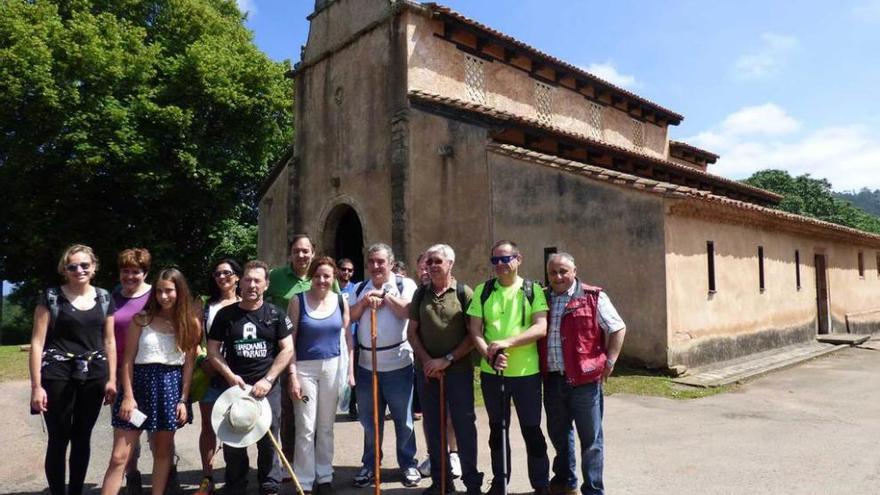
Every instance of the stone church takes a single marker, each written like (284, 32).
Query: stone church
(416, 124)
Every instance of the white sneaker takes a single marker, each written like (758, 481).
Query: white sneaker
(425, 467)
(411, 477)
(454, 465)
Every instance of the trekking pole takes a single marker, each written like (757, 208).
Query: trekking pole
(286, 463)
(377, 448)
(443, 433)
(504, 413)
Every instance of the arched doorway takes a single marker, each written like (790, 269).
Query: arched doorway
(344, 235)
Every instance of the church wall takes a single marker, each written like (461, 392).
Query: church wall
(345, 105)
(338, 22)
(438, 66)
(272, 222)
(615, 234)
(739, 318)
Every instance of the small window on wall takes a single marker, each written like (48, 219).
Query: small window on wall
(475, 78)
(761, 285)
(861, 264)
(547, 252)
(638, 133)
(544, 103)
(710, 257)
(797, 268)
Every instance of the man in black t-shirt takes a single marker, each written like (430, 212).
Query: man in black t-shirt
(257, 347)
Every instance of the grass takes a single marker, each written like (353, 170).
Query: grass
(13, 363)
(637, 381)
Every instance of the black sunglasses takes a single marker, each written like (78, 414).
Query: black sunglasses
(85, 265)
(497, 260)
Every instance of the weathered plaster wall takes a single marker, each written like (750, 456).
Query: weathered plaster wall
(338, 22)
(345, 106)
(615, 234)
(437, 66)
(739, 319)
(272, 222)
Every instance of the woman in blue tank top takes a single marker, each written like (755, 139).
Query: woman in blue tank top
(319, 317)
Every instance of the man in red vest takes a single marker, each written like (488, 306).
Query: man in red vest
(584, 338)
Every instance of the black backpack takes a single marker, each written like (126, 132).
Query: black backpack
(528, 288)
(459, 294)
(52, 294)
(363, 285)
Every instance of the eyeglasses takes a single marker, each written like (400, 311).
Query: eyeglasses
(223, 273)
(347, 270)
(433, 261)
(497, 260)
(85, 265)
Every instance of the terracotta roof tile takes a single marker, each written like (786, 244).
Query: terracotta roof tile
(503, 116)
(443, 10)
(693, 149)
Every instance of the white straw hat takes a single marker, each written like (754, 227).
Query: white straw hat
(239, 419)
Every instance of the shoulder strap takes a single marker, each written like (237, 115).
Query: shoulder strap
(341, 302)
(360, 288)
(302, 304)
(488, 287)
(418, 296)
(459, 293)
(528, 288)
(52, 302)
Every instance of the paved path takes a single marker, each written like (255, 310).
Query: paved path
(811, 429)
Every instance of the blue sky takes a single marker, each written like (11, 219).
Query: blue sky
(764, 84)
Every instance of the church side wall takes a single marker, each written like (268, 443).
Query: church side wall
(272, 222)
(438, 66)
(338, 22)
(616, 236)
(739, 319)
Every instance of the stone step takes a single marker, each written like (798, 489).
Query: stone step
(757, 365)
(843, 338)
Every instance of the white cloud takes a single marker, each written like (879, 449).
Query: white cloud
(766, 61)
(848, 156)
(608, 72)
(247, 7)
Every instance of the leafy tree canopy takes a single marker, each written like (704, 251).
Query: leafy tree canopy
(811, 197)
(865, 199)
(133, 123)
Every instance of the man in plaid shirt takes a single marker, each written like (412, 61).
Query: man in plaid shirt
(584, 337)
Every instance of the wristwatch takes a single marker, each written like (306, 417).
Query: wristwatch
(270, 379)
(609, 363)
(384, 293)
(449, 357)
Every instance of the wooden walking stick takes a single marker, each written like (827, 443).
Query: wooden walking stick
(443, 433)
(377, 448)
(504, 417)
(286, 463)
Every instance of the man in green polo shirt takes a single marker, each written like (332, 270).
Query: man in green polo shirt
(505, 324)
(438, 334)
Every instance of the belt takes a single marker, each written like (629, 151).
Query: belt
(382, 348)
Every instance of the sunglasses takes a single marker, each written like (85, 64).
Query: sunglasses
(433, 261)
(223, 273)
(347, 270)
(73, 267)
(497, 260)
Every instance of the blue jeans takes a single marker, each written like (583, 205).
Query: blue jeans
(583, 405)
(526, 394)
(395, 391)
(460, 409)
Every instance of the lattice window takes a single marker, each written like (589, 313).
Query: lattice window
(638, 133)
(544, 102)
(595, 120)
(475, 79)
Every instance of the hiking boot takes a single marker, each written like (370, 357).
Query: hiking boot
(134, 484)
(434, 489)
(364, 478)
(562, 489)
(411, 477)
(324, 489)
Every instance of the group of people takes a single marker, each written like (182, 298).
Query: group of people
(293, 336)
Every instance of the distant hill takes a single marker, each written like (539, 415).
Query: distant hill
(865, 199)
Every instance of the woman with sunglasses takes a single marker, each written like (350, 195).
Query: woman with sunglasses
(318, 316)
(72, 354)
(222, 291)
(160, 352)
(129, 299)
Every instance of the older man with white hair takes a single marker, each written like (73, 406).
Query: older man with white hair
(389, 295)
(438, 333)
(584, 338)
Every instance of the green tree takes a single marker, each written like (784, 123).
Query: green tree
(133, 123)
(811, 197)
